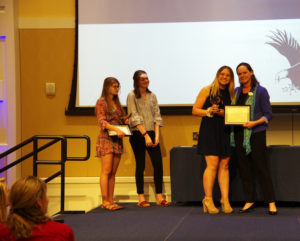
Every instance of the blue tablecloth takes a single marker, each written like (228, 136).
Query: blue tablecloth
(187, 169)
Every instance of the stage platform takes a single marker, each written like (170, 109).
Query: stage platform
(184, 222)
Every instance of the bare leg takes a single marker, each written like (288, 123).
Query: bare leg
(107, 165)
(209, 174)
(223, 177)
(209, 177)
(112, 177)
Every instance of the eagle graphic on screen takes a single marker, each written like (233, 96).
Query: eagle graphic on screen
(289, 47)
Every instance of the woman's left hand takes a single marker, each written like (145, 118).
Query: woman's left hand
(249, 124)
(156, 141)
(221, 112)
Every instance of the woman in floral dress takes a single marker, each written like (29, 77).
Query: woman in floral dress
(109, 148)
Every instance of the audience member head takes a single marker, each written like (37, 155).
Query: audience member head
(3, 199)
(138, 77)
(218, 81)
(254, 81)
(28, 206)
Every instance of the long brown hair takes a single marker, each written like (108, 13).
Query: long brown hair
(3, 204)
(108, 82)
(24, 209)
(215, 88)
(136, 77)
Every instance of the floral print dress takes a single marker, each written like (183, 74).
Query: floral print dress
(107, 144)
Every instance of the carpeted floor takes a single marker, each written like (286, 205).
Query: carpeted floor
(184, 222)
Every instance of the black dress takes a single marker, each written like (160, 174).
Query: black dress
(214, 136)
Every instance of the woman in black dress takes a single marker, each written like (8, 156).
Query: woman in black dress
(214, 137)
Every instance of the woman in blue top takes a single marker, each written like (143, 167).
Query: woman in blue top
(250, 139)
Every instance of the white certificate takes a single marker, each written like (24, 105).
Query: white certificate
(124, 128)
(237, 114)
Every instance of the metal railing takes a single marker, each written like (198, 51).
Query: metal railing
(63, 139)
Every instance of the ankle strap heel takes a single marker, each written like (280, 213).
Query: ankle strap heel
(209, 206)
(226, 208)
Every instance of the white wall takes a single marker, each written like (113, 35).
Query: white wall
(83, 193)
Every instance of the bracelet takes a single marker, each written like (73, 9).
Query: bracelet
(144, 133)
(208, 114)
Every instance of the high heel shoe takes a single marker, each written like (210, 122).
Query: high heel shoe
(272, 209)
(272, 212)
(226, 208)
(209, 206)
(245, 210)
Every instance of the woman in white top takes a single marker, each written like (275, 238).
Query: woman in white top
(145, 120)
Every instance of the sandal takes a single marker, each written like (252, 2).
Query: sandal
(163, 203)
(117, 206)
(143, 204)
(109, 207)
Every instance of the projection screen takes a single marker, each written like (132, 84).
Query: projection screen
(182, 43)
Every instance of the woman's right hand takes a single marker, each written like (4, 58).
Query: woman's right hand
(148, 141)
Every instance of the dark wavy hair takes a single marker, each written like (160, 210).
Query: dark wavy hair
(136, 77)
(254, 81)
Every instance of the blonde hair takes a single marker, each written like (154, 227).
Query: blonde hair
(3, 198)
(215, 87)
(24, 209)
